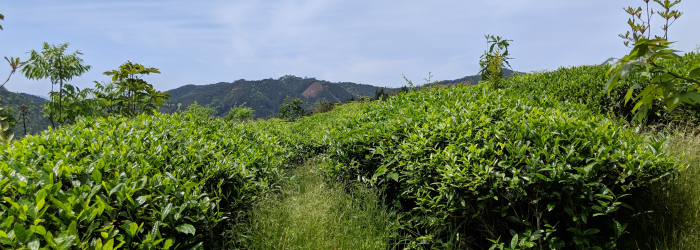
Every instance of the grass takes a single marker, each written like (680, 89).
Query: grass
(675, 222)
(312, 212)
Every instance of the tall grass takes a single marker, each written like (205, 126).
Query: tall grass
(675, 220)
(312, 212)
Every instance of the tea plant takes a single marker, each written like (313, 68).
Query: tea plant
(147, 182)
(197, 111)
(239, 113)
(4, 137)
(467, 164)
(573, 84)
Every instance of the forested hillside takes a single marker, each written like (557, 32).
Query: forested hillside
(35, 121)
(264, 96)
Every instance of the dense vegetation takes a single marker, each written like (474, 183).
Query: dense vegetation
(545, 160)
(578, 84)
(485, 164)
(35, 120)
(265, 96)
(143, 182)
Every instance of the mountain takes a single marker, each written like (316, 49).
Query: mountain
(35, 121)
(265, 96)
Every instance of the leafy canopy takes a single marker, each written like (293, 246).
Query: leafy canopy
(494, 60)
(131, 95)
(239, 113)
(53, 63)
(645, 61)
(291, 110)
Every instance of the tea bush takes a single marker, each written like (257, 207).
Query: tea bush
(586, 85)
(466, 165)
(150, 182)
(161, 181)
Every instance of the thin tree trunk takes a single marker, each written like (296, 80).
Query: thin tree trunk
(60, 98)
(24, 122)
(60, 90)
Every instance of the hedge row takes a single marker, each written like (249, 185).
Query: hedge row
(586, 85)
(162, 181)
(469, 166)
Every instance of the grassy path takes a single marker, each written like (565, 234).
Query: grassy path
(311, 212)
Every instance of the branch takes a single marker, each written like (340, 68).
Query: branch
(675, 75)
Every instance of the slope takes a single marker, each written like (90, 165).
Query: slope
(35, 121)
(264, 96)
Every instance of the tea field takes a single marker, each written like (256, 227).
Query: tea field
(548, 162)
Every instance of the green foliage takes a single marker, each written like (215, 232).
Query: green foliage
(239, 113)
(643, 28)
(323, 106)
(649, 60)
(130, 95)
(495, 70)
(195, 111)
(35, 121)
(147, 182)
(264, 96)
(24, 116)
(291, 110)
(2, 17)
(312, 212)
(53, 64)
(9, 121)
(574, 85)
(466, 164)
(494, 60)
(76, 103)
(6, 120)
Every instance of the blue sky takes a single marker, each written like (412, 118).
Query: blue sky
(370, 42)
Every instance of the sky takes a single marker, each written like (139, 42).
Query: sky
(363, 41)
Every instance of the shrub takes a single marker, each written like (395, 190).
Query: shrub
(494, 60)
(582, 84)
(467, 164)
(323, 106)
(239, 113)
(197, 111)
(148, 182)
(291, 110)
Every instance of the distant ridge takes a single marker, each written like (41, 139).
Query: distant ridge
(264, 96)
(36, 121)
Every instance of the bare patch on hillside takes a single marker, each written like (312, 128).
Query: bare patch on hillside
(313, 90)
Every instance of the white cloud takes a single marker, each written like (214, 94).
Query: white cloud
(363, 41)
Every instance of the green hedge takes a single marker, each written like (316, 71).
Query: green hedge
(586, 85)
(467, 164)
(149, 182)
(157, 181)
